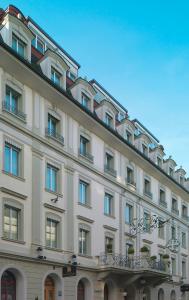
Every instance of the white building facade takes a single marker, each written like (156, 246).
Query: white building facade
(79, 177)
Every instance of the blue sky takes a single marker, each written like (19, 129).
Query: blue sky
(138, 50)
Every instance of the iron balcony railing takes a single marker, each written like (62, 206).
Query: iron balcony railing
(86, 155)
(14, 110)
(148, 193)
(163, 203)
(175, 211)
(54, 134)
(109, 170)
(130, 181)
(185, 217)
(136, 263)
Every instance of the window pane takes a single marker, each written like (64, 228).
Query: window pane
(14, 43)
(83, 192)
(7, 158)
(14, 162)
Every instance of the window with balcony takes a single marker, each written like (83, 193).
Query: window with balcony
(181, 180)
(12, 159)
(175, 206)
(128, 246)
(108, 120)
(108, 204)
(146, 222)
(128, 213)
(130, 176)
(84, 240)
(84, 148)
(13, 103)
(83, 192)
(52, 233)
(183, 240)
(55, 76)
(128, 137)
(162, 198)
(147, 188)
(85, 101)
(145, 150)
(53, 129)
(109, 164)
(185, 212)
(51, 178)
(18, 45)
(109, 245)
(11, 223)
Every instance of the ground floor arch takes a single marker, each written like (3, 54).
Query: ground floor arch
(84, 289)
(52, 287)
(12, 284)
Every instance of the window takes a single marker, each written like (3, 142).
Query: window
(162, 195)
(184, 211)
(108, 204)
(159, 161)
(11, 163)
(109, 162)
(183, 269)
(11, 222)
(161, 229)
(38, 44)
(109, 245)
(108, 120)
(51, 233)
(52, 125)
(128, 213)
(145, 150)
(128, 136)
(128, 246)
(173, 233)
(146, 222)
(83, 192)
(175, 206)
(183, 240)
(51, 178)
(130, 176)
(55, 76)
(170, 171)
(173, 264)
(18, 45)
(85, 101)
(8, 286)
(83, 241)
(11, 100)
(147, 187)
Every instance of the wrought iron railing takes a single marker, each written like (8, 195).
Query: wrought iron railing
(54, 134)
(175, 211)
(135, 263)
(185, 217)
(163, 203)
(86, 154)
(130, 181)
(110, 170)
(14, 110)
(148, 193)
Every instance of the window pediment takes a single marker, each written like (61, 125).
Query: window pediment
(110, 106)
(85, 86)
(144, 138)
(56, 60)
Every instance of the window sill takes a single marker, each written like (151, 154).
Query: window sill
(14, 115)
(61, 142)
(13, 241)
(85, 255)
(54, 249)
(14, 176)
(53, 193)
(85, 205)
(110, 216)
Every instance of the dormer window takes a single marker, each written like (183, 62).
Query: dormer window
(18, 45)
(128, 136)
(38, 44)
(145, 150)
(170, 171)
(159, 161)
(108, 120)
(55, 76)
(185, 212)
(85, 100)
(109, 164)
(181, 180)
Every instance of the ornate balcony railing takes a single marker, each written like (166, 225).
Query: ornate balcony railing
(54, 134)
(185, 217)
(109, 170)
(175, 211)
(130, 181)
(86, 155)
(148, 194)
(136, 263)
(13, 110)
(163, 203)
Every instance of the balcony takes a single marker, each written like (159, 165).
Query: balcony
(54, 135)
(110, 171)
(137, 263)
(163, 203)
(86, 155)
(148, 194)
(185, 217)
(175, 211)
(13, 110)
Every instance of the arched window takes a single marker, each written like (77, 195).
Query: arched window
(106, 292)
(173, 295)
(160, 294)
(81, 291)
(8, 286)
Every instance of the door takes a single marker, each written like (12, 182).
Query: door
(8, 286)
(80, 291)
(49, 289)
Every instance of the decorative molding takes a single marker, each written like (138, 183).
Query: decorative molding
(58, 209)
(130, 235)
(161, 246)
(85, 219)
(147, 241)
(110, 228)
(13, 193)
